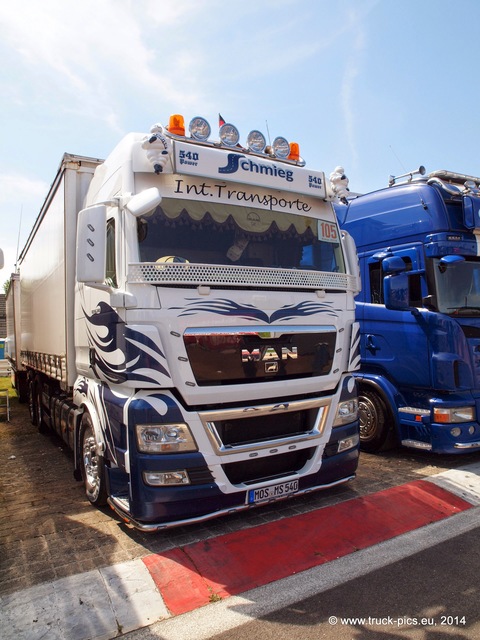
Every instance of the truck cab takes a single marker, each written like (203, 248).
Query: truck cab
(419, 311)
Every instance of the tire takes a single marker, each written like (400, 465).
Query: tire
(32, 403)
(376, 422)
(35, 406)
(92, 464)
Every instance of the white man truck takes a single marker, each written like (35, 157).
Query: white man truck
(184, 318)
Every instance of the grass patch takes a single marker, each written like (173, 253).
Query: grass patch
(5, 383)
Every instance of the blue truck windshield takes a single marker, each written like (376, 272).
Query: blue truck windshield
(458, 287)
(220, 234)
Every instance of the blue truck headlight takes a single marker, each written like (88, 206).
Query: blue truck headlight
(164, 438)
(346, 412)
(453, 414)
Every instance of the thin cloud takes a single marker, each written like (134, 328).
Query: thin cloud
(17, 188)
(94, 54)
(353, 70)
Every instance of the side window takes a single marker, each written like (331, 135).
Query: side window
(376, 283)
(111, 271)
(377, 275)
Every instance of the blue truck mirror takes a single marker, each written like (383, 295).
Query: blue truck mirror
(393, 264)
(396, 292)
(471, 212)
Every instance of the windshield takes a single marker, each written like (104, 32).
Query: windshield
(458, 287)
(192, 231)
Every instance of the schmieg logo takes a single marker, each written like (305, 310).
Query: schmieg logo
(237, 161)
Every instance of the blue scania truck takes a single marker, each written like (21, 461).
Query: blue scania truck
(419, 311)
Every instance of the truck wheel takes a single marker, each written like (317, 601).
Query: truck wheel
(92, 464)
(376, 422)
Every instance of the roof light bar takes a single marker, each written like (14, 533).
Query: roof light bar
(200, 131)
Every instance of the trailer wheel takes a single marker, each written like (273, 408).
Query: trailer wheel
(35, 406)
(32, 403)
(92, 464)
(376, 422)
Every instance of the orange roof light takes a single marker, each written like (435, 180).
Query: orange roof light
(294, 151)
(176, 125)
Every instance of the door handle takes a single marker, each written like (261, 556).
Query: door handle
(370, 343)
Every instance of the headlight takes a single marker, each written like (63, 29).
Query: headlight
(346, 412)
(164, 438)
(453, 414)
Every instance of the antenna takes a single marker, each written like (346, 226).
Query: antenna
(399, 161)
(268, 134)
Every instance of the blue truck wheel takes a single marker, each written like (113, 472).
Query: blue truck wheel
(376, 422)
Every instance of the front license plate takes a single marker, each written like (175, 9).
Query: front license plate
(271, 493)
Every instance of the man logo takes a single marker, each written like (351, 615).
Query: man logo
(269, 354)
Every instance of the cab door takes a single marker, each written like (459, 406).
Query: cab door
(395, 342)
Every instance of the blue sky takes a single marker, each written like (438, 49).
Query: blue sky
(378, 86)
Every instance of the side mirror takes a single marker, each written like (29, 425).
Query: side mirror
(2, 262)
(352, 259)
(144, 202)
(471, 212)
(92, 244)
(396, 292)
(393, 264)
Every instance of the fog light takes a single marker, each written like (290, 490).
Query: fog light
(281, 147)
(456, 431)
(229, 135)
(256, 141)
(166, 478)
(348, 443)
(199, 129)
